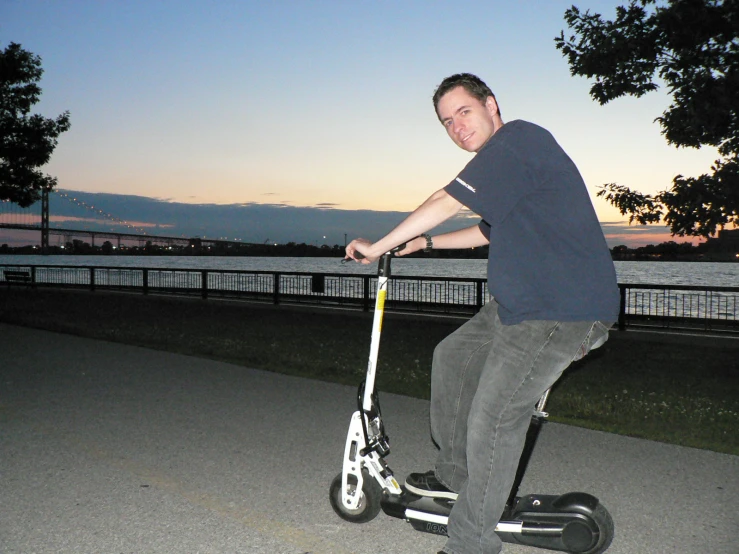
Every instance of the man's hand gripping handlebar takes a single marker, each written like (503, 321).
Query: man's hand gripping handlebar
(358, 256)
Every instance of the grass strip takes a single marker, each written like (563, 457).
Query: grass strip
(677, 389)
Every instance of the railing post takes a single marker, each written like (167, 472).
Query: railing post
(204, 283)
(365, 293)
(276, 289)
(478, 294)
(622, 308)
(33, 276)
(146, 281)
(92, 278)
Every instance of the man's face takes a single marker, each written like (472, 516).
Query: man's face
(469, 122)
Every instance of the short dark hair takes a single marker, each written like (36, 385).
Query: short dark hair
(471, 83)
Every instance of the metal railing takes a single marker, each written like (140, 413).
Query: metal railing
(680, 307)
(653, 306)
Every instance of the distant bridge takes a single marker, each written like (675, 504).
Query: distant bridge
(37, 217)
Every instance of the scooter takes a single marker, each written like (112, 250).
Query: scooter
(574, 522)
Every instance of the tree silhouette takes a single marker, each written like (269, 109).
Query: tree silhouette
(26, 141)
(693, 47)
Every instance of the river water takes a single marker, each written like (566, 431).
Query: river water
(653, 273)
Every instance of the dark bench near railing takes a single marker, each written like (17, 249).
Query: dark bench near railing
(17, 277)
(693, 308)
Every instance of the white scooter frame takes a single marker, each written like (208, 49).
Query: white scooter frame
(366, 442)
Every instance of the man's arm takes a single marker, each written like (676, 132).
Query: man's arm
(439, 207)
(470, 237)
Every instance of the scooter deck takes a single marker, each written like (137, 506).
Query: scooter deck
(425, 514)
(561, 523)
(431, 515)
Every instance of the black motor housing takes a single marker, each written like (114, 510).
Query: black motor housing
(573, 522)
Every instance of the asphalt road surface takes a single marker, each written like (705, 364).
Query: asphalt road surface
(106, 448)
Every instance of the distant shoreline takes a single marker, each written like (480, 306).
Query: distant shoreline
(693, 258)
(725, 249)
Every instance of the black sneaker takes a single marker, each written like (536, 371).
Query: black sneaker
(426, 484)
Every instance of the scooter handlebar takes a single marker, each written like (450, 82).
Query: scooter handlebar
(360, 256)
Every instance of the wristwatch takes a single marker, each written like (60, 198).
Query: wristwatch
(429, 242)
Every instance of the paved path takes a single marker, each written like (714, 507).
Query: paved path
(106, 448)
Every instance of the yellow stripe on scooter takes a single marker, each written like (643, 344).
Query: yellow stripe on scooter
(381, 294)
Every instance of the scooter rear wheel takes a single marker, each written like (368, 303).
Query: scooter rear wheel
(603, 520)
(369, 499)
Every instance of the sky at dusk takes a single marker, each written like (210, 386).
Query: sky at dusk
(318, 106)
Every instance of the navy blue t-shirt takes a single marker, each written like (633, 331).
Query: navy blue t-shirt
(548, 257)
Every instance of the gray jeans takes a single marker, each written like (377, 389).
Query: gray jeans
(486, 379)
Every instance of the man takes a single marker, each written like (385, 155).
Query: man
(553, 297)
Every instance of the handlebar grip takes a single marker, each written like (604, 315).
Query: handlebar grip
(399, 248)
(359, 256)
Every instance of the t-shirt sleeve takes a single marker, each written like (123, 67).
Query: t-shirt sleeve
(463, 192)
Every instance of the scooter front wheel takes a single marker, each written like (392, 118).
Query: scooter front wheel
(369, 500)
